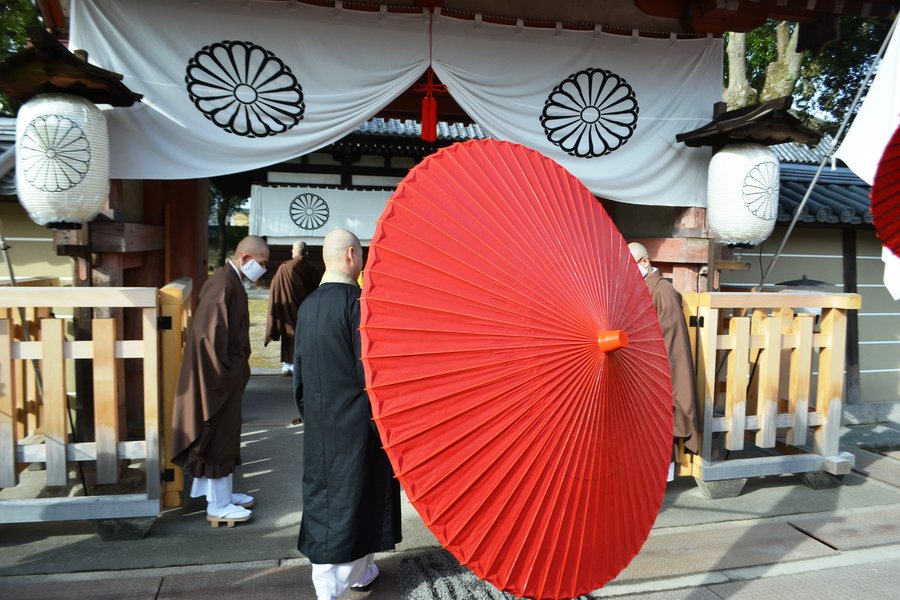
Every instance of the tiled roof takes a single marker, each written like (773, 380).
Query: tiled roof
(803, 154)
(838, 197)
(456, 132)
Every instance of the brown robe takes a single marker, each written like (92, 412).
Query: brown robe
(206, 424)
(678, 347)
(294, 280)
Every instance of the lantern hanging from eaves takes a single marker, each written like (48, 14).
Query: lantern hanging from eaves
(62, 159)
(742, 194)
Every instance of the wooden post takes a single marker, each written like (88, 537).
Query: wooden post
(8, 409)
(53, 368)
(174, 299)
(706, 375)
(831, 381)
(736, 386)
(854, 393)
(768, 372)
(106, 400)
(151, 401)
(800, 379)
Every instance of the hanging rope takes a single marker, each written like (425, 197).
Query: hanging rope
(825, 158)
(429, 102)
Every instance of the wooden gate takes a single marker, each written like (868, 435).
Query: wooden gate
(770, 376)
(35, 384)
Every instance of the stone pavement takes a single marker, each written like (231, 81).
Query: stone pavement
(778, 537)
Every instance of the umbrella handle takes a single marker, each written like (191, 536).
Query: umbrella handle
(612, 340)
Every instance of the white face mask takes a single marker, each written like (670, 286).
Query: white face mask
(252, 270)
(644, 270)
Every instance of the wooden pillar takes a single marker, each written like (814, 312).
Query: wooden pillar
(852, 386)
(182, 208)
(693, 275)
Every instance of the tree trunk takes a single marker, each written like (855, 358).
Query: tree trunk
(738, 94)
(782, 74)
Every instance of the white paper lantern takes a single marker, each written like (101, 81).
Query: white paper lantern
(62, 159)
(742, 194)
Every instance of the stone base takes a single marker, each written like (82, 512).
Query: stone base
(724, 488)
(113, 530)
(820, 480)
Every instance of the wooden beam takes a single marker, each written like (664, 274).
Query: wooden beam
(114, 236)
(732, 265)
(677, 250)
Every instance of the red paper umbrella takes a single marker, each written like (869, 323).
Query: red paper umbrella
(495, 295)
(886, 196)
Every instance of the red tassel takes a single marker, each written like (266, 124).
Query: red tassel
(429, 118)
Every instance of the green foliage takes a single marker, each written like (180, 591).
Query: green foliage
(221, 206)
(17, 17)
(829, 81)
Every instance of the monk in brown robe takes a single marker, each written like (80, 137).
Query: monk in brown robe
(294, 280)
(206, 428)
(667, 302)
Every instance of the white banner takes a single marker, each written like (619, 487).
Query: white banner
(231, 87)
(607, 107)
(877, 118)
(285, 214)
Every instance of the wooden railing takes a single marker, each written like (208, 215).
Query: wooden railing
(175, 309)
(770, 376)
(34, 400)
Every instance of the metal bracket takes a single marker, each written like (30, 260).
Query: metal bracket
(695, 321)
(167, 475)
(164, 323)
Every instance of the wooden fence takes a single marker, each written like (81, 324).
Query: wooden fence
(175, 307)
(770, 378)
(34, 400)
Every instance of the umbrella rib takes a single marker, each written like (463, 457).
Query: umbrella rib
(461, 370)
(475, 219)
(512, 297)
(576, 390)
(502, 195)
(534, 375)
(461, 315)
(550, 498)
(474, 479)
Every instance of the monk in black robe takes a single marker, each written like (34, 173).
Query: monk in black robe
(351, 500)
(293, 281)
(206, 428)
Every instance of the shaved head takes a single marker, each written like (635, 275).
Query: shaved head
(638, 251)
(342, 251)
(253, 245)
(298, 249)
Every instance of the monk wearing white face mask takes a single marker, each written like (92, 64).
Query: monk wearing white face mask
(206, 428)
(667, 302)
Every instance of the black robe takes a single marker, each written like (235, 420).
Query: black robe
(351, 500)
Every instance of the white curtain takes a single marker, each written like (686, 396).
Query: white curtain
(607, 107)
(231, 85)
(285, 214)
